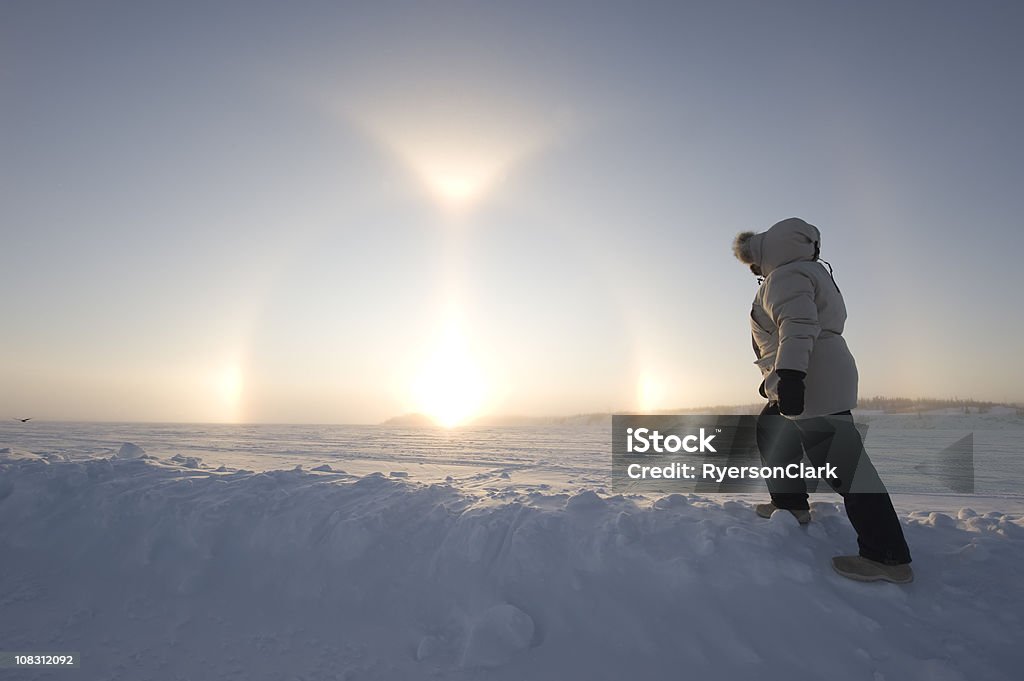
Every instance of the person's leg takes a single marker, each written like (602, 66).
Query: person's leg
(835, 440)
(778, 441)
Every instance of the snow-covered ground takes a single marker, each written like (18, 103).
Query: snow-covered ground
(205, 553)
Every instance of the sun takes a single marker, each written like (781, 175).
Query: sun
(450, 387)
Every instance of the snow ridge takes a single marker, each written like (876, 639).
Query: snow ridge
(163, 569)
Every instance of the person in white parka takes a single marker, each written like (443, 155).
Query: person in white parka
(809, 378)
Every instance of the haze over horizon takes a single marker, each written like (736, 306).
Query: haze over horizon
(319, 213)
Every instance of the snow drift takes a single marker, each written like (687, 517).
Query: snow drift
(160, 569)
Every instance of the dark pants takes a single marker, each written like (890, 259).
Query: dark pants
(833, 440)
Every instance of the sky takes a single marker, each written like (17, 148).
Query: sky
(325, 212)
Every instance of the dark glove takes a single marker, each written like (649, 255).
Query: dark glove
(791, 391)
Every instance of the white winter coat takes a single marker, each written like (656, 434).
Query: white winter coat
(798, 316)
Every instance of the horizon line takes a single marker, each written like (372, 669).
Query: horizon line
(710, 409)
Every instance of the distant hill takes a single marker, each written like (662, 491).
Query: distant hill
(511, 420)
(906, 405)
(411, 421)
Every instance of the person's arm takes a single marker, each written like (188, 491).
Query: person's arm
(789, 300)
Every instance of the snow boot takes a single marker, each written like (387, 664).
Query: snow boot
(803, 516)
(864, 569)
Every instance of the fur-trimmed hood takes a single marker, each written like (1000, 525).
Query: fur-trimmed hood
(788, 241)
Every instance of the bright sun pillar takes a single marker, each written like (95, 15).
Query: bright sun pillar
(228, 385)
(650, 393)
